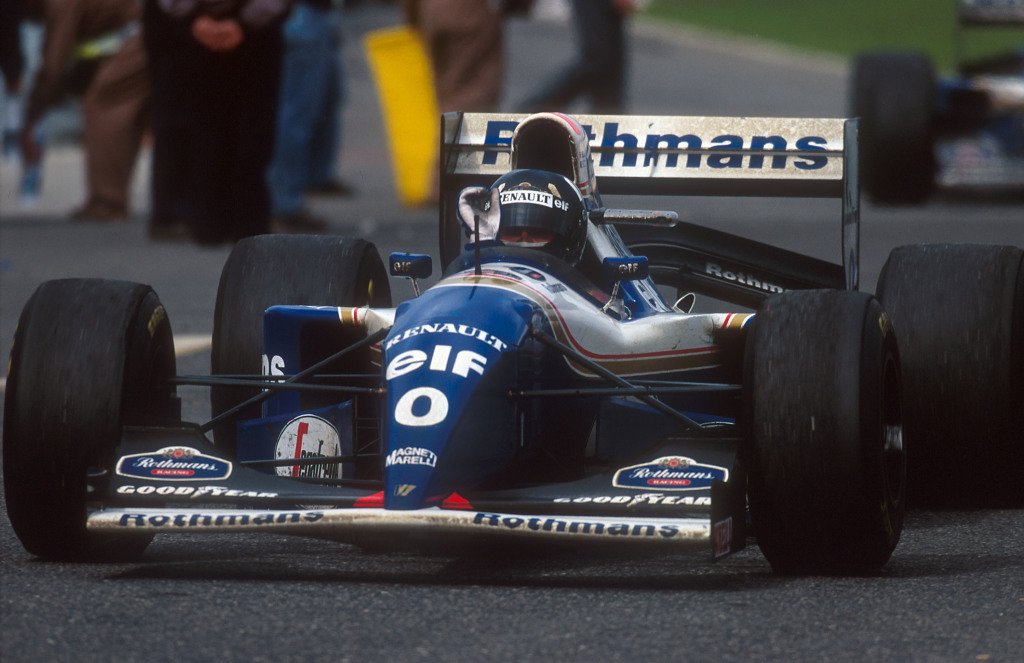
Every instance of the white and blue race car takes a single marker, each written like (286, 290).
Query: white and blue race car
(544, 389)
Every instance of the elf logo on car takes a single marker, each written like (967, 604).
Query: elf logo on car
(308, 436)
(433, 404)
(411, 360)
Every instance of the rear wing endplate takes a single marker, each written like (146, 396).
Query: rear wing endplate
(678, 155)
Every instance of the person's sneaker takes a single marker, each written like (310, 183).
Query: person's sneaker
(102, 212)
(331, 188)
(298, 222)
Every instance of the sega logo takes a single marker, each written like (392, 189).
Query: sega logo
(500, 133)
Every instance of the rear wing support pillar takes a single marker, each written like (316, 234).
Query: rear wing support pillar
(851, 203)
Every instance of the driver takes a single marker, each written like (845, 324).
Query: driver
(528, 208)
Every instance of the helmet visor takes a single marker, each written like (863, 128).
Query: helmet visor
(530, 238)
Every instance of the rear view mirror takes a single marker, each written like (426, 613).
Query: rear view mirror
(411, 266)
(632, 268)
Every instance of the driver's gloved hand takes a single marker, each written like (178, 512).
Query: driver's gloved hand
(479, 202)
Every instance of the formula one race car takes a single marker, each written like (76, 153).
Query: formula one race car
(964, 132)
(543, 389)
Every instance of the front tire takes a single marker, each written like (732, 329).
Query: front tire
(271, 270)
(825, 453)
(89, 357)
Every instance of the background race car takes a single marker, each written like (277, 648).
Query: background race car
(962, 132)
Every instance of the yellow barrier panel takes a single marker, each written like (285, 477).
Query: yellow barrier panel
(405, 86)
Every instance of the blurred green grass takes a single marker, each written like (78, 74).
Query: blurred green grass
(847, 27)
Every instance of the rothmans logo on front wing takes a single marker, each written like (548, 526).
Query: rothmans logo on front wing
(670, 473)
(174, 464)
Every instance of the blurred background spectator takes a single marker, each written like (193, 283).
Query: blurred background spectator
(12, 68)
(93, 49)
(599, 72)
(215, 68)
(464, 44)
(308, 134)
(464, 39)
(12, 62)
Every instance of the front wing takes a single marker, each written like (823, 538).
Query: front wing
(357, 524)
(171, 480)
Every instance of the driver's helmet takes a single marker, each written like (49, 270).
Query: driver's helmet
(541, 210)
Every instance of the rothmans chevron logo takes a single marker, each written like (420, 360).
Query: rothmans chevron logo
(670, 473)
(174, 464)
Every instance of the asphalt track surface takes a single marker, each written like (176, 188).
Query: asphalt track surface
(953, 591)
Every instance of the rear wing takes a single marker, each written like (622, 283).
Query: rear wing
(991, 12)
(675, 155)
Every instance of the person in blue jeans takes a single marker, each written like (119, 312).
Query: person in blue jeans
(309, 115)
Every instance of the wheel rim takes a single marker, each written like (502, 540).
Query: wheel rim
(893, 450)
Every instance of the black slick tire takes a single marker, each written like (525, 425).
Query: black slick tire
(270, 270)
(893, 94)
(89, 357)
(958, 313)
(824, 447)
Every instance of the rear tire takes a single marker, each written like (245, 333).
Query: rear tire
(894, 96)
(89, 356)
(825, 455)
(271, 270)
(958, 313)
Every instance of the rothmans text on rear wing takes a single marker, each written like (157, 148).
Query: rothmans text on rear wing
(682, 156)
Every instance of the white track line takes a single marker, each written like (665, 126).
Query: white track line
(190, 344)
